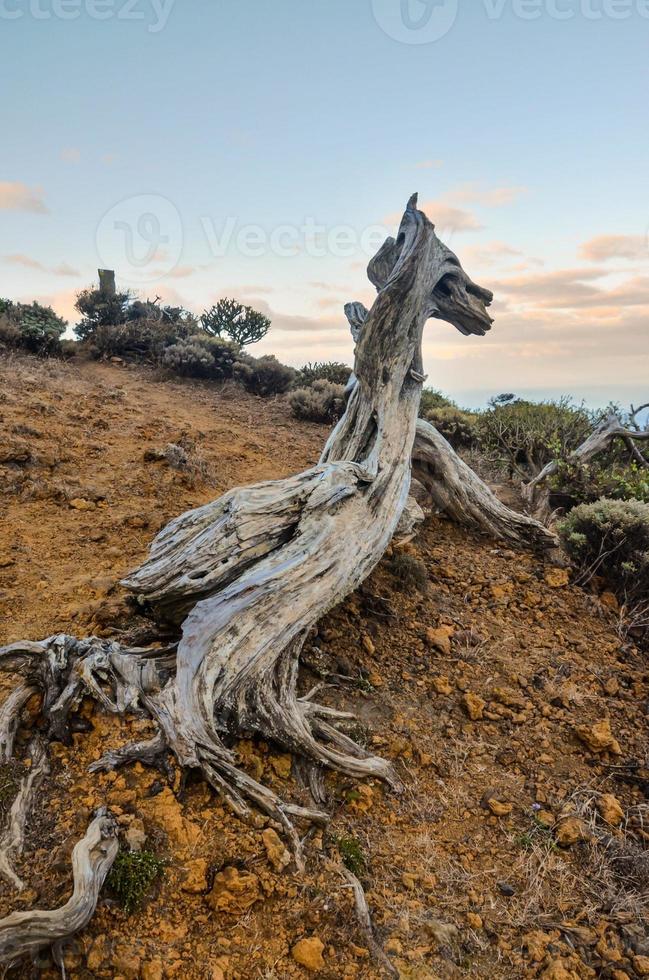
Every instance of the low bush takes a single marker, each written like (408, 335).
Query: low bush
(263, 375)
(455, 425)
(202, 356)
(432, 399)
(100, 309)
(31, 326)
(523, 436)
(323, 401)
(611, 538)
(409, 571)
(611, 476)
(332, 371)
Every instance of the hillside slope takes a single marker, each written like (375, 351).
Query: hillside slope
(501, 691)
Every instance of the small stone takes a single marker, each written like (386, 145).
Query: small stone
(500, 809)
(609, 601)
(440, 639)
(442, 685)
(308, 953)
(368, 645)
(152, 970)
(557, 578)
(281, 765)
(409, 880)
(641, 965)
(599, 738)
(234, 891)
(135, 835)
(79, 503)
(569, 831)
(610, 809)
(196, 878)
(557, 970)
(473, 705)
(474, 920)
(276, 853)
(506, 889)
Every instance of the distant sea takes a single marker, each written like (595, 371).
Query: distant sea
(595, 396)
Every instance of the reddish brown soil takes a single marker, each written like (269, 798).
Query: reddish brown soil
(464, 872)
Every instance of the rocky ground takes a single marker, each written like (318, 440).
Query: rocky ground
(513, 710)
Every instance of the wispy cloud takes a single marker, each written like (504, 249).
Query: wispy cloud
(71, 154)
(428, 164)
(602, 248)
(16, 196)
(62, 269)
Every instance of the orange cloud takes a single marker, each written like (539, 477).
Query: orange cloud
(605, 247)
(16, 196)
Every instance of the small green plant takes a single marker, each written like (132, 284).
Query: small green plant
(537, 833)
(202, 356)
(457, 426)
(32, 326)
(432, 398)
(410, 572)
(352, 855)
(132, 875)
(241, 324)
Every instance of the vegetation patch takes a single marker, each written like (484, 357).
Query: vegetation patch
(132, 876)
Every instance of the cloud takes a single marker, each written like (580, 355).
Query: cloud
(449, 215)
(489, 253)
(71, 154)
(428, 164)
(62, 269)
(602, 248)
(445, 217)
(573, 289)
(494, 197)
(25, 261)
(16, 196)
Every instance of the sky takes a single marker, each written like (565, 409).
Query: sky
(208, 148)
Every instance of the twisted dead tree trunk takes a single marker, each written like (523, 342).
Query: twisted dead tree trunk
(535, 494)
(453, 487)
(247, 576)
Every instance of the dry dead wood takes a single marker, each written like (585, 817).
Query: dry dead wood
(28, 932)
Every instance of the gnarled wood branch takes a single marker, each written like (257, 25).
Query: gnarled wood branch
(598, 441)
(11, 841)
(27, 932)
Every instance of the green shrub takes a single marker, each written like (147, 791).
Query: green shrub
(611, 475)
(351, 852)
(332, 371)
(432, 399)
(263, 375)
(455, 425)
(100, 309)
(241, 324)
(322, 402)
(132, 875)
(31, 326)
(611, 538)
(202, 356)
(523, 436)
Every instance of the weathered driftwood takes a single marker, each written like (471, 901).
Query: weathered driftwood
(365, 922)
(248, 575)
(458, 492)
(28, 932)
(600, 439)
(454, 488)
(11, 841)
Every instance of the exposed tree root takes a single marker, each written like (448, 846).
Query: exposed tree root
(365, 921)
(27, 932)
(11, 842)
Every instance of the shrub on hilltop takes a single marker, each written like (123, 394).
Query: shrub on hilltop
(332, 371)
(323, 401)
(263, 375)
(31, 326)
(201, 356)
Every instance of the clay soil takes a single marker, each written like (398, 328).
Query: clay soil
(506, 695)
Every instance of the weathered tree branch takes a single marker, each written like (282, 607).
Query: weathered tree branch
(11, 842)
(27, 932)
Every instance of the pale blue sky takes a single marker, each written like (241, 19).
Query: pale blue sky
(526, 139)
